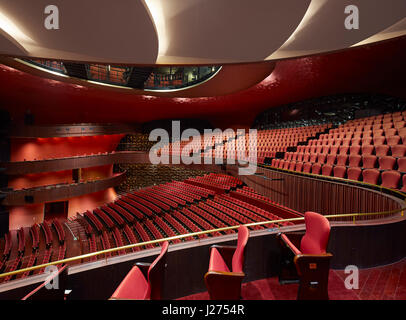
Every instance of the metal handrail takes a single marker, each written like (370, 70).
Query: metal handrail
(130, 246)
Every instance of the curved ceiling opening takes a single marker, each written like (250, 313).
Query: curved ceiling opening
(166, 79)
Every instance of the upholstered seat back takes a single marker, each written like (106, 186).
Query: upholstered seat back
(155, 273)
(158, 261)
(136, 286)
(238, 257)
(317, 234)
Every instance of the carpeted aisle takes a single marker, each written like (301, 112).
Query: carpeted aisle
(380, 283)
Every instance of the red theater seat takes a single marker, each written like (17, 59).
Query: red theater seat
(313, 157)
(370, 176)
(299, 166)
(334, 149)
(321, 158)
(366, 141)
(339, 171)
(316, 168)
(390, 179)
(310, 257)
(225, 274)
(398, 151)
(144, 281)
(403, 184)
(367, 149)
(402, 164)
(342, 160)
(307, 167)
(354, 160)
(393, 140)
(378, 141)
(355, 149)
(382, 150)
(368, 161)
(390, 132)
(354, 173)
(387, 163)
(327, 170)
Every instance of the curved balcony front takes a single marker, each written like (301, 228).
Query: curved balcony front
(59, 191)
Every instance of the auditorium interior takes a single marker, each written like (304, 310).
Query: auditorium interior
(290, 186)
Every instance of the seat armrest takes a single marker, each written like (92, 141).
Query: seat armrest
(144, 267)
(294, 237)
(226, 253)
(289, 244)
(224, 285)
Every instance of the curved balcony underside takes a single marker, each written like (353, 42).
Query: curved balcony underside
(60, 191)
(85, 161)
(75, 130)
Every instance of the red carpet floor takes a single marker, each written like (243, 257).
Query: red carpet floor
(380, 283)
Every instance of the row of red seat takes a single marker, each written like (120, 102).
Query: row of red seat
(34, 232)
(21, 241)
(166, 201)
(170, 191)
(241, 217)
(354, 160)
(177, 226)
(216, 214)
(198, 219)
(152, 209)
(156, 202)
(379, 150)
(125, 210)
(386, 178)
(278, 211)
(94, 221)
(362, 134)
(7, 246)
(127, 204)
(47, 233)
(14, 266)
(59, 230)
(136, 204)
(214, 221)
(105, 242)
(243, 208)
(202, 192)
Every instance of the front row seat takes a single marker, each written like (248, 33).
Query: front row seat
(223, 280)
(144, 281)
(310, 263)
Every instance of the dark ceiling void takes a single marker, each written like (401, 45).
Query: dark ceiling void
(77, 70)
(377, 68)
(139, 76)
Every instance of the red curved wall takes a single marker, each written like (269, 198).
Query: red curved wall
(47, 148)
(377, 68)
(26, 216)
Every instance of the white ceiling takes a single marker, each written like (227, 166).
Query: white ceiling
(193, 31)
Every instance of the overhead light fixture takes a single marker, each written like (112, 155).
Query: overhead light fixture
(14, 31)
(157, 12)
